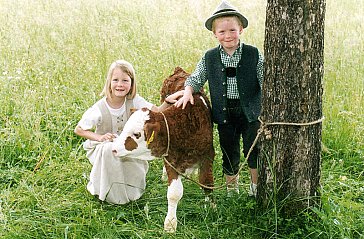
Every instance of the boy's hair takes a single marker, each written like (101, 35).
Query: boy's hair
(226, 16)
(129, 70)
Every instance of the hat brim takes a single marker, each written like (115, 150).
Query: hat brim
(208, 23)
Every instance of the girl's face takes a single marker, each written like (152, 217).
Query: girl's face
(227, 31)
(120, 83)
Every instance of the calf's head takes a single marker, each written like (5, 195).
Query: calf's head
(134, 139)
(173, 83)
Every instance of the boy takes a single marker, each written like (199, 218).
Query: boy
(234, 71)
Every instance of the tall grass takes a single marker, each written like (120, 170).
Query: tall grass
(53, 60)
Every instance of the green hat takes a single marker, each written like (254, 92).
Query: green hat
(225, 9)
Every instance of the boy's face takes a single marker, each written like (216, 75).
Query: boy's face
(227, 31)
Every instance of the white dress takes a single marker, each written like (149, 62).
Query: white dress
(115, 180)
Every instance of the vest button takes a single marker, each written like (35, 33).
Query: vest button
(224, 95)
(222, 69)
(224, 121)
(224, 109)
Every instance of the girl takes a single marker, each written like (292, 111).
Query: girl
(112, 179)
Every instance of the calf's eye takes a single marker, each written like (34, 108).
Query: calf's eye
(137, 135)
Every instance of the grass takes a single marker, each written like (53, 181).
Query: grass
(53, 61)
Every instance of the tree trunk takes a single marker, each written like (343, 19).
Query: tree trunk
(292, 93)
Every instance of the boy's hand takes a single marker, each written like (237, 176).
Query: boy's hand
(187, 97)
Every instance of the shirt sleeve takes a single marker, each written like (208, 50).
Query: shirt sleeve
(139, 102)
(90, 118)
(260, 69)
(199, 77)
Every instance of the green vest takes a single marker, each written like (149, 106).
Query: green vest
(247, 82)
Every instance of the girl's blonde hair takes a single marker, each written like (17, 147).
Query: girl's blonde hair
(128, 69)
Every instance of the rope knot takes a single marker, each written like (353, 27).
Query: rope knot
(267, 133)
(264, 129)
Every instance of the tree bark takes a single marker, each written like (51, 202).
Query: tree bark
(292, 93)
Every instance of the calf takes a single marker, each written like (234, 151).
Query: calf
(183, 136)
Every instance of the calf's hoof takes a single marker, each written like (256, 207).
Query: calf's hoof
(170, 225)
(210, 203)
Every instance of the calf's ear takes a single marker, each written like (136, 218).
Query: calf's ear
(151, 131)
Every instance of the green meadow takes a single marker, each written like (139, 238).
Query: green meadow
(53, 61)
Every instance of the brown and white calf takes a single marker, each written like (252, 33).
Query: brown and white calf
(184, 134)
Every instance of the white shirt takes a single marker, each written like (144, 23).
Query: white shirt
(92, 116)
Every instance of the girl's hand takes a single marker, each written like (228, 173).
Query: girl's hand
(171, 99)
(106, 137)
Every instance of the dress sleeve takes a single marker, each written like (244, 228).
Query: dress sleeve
(90, 118)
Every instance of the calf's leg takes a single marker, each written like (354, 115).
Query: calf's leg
(206, 174)
(207, 178)
(174, 194)
(164, 174)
